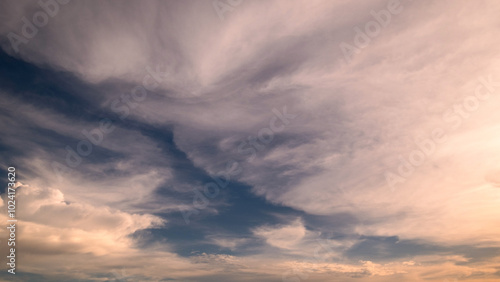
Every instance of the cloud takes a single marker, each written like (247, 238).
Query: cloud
(63, 227)
(230, 243)
(284, 236)
(493, 177)
(221, 81)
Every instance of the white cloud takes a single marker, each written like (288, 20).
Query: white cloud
(284, 237)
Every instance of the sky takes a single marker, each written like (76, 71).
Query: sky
(251, 140)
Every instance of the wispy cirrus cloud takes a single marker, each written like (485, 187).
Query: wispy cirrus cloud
(321, 179)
